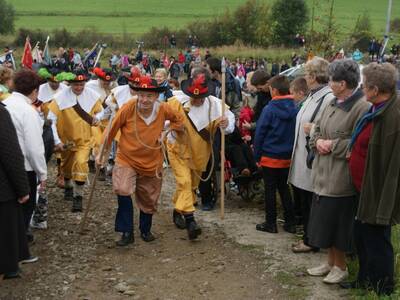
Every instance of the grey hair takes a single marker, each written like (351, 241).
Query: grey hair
(346, 70)
(318, 67)
(383, 76)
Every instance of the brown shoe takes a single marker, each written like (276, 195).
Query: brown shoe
(301, 248)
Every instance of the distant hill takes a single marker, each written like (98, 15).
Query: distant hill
(137, 16)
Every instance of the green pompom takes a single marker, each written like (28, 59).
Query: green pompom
(44, 73)
(65, 76)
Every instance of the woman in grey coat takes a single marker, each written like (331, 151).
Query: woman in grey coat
(334, 203)
(316, 75)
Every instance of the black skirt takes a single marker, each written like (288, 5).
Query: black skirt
(331, 222)
(13, 242)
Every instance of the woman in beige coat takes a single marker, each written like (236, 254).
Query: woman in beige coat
(334, 203)
(316, 75)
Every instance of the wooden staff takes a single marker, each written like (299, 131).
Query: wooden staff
(93, 185)
(223, 96)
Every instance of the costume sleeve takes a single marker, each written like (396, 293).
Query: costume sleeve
(53, 118)
(11, 157)
(111, 101)
(118, 122)
(231, 122)
(174, 116)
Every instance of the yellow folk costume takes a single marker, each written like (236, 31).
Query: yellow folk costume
(46, 95)
(189, 153)
(72, 130)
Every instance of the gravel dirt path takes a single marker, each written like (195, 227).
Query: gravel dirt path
(231, 260)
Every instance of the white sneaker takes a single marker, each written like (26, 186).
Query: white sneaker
(321, 270)
(41, 225)
(29, 260)
(336, 275)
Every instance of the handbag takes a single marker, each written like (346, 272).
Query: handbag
(311, 152)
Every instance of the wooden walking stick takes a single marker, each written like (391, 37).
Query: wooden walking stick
(93, 185)
(223, 96)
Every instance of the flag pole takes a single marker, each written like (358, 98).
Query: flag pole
(98, 57)
(223, 96)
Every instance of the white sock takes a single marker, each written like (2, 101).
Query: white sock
(78, 189)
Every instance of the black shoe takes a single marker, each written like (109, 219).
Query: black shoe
(77, 204)
(193, 230)
(289, 228)
(126, 239)
(92, 166)
(178, 220)
(207, 206)
(13, 275)
(68, 194)
(102, 175)
(271, 228)
(147, 237)
(351, 285)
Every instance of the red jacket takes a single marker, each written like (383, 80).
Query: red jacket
(246, 115)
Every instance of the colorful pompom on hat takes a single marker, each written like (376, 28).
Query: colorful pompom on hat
(135, 75)
(104, 74)
(78, 75)
(49, 74)
(197, 87)
(147, 84)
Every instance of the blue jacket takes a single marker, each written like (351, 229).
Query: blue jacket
(275, 129)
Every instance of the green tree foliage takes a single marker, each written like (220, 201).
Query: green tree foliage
(288, 17)
(7, 16)
(324, 39)
(361, 34)
(249, 23)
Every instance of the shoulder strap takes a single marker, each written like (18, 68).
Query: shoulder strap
(318, 108)
(204, 133)
(83, 114)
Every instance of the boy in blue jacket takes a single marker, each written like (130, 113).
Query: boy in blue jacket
(273, 145)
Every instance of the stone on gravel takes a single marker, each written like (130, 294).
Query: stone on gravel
(129, 292)
(121, 287)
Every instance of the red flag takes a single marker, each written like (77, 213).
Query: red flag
(27, 59)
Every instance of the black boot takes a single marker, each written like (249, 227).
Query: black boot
(77, 204)
(271, 228)
(68, 194)
(126, 239)
(92, 166)
(102, 174)
(178, 220)
(145, 227)
(193, 229)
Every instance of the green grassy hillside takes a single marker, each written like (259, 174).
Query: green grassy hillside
(137, 16)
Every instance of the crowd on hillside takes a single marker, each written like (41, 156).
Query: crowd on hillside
(326, 141)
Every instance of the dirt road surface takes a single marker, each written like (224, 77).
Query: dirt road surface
(230, 260)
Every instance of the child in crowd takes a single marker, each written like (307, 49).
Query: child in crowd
(273, 145)
(299, 90)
